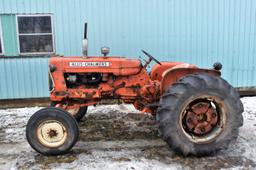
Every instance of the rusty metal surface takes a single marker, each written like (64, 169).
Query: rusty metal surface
(202, 118)
(174, 74)
(122, 78)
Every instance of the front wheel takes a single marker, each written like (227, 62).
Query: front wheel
(199, 115)
(52, 131)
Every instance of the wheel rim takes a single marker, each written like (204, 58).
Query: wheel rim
(203, 119)
(51, 133)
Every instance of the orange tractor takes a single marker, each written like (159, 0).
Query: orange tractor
(197, 112)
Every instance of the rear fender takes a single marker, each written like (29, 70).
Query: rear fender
(172, 75)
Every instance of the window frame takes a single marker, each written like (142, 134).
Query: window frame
(1, 39)
(18, 34)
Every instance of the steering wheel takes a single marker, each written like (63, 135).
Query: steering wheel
(151, 57)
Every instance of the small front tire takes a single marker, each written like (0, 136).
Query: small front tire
(52, 131)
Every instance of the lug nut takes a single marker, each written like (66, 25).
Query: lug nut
(189, 120)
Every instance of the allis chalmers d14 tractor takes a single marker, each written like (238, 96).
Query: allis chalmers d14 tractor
(197, 112)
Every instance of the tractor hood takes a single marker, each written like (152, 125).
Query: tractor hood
(114, 64)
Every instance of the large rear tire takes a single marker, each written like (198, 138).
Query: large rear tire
(199, 115)
(52, 131)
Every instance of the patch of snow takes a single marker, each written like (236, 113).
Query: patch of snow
(105, 109)
(114, 160)
(130, 155)
(247, 134)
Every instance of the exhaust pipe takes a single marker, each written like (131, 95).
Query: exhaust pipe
(85, 41)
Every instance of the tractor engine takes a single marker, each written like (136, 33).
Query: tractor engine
(74, 80)
(84, 81)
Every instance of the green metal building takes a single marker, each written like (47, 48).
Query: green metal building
(195, 31)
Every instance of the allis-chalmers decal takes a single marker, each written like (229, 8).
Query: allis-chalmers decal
(89, 64)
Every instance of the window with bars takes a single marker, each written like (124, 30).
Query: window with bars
(35, 34)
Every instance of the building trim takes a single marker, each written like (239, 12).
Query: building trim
(1, 38)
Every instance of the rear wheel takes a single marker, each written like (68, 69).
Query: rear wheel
(77, 113)
(52, 131)
(199, 115)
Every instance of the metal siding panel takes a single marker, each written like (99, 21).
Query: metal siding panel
(199, 32)
(32, 76)
(27, 78)
(20, 79)
(3, 84)
(13, 78)
(8, 79)
(24, 78)
(44, 77)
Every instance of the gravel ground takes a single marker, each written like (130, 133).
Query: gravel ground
(118, 137)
